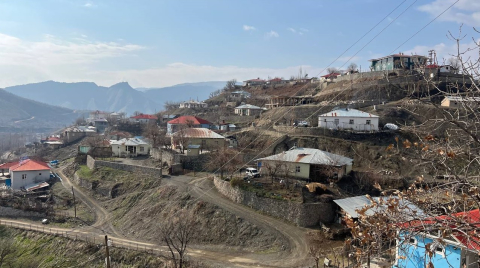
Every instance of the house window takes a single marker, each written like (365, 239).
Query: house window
(413, 241)
(297, 169)
(350, 121)
(369, 122)
(24, 176)
(141, 149)
(325, 120)
(337, 121)
(39, 174)
(440, 250)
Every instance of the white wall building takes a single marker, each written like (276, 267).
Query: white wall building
(28, 173)
(129, 147)
(346, 118)
(193, 104)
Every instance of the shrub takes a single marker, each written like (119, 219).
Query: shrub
(236, 182)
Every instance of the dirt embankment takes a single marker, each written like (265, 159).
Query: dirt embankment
(139, 215)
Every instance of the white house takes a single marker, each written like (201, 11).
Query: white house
(460, 101)
(248, 109)
(308, 163)
(347, 118)
(28, 173)
(143, 118)
(193, 104)
(129, 147)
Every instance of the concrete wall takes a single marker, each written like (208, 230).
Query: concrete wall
(92, 163)
(301, 214)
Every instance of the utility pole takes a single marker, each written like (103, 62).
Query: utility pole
(107, 259)
(74, 203)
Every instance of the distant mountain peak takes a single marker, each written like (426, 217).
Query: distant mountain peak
(121, 85)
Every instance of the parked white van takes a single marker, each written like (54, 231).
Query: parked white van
(252, 172)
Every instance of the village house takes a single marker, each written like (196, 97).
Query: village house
(348, 207)
(457, 249)
(193, 104)
(329, 77)
(187, 121)
(144, 118)
(309, 163)
(398, 61)
(96, 115)
(347, 118)
(279, 101)
(224, 126)
(206, 138)
(248, 110)
(100, 125)
(99, 148)
(72, 134)
(168, 117)
(276, 81)
(118, 135)
(129, 147)
(29, 174)
(254, 82)
(241, 94)
(460, 101)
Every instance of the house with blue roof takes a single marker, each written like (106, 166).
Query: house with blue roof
(349, 119)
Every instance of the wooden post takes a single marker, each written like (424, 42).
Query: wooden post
(74, 204)
(107, 253)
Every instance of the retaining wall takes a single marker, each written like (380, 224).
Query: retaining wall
(92, 163)
(301, 214)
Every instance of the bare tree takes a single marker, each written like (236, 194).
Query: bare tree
(181, 138)
(440, 200)
(177, 231)
(171, 105)
(332, 70)
(273, 167)
(230, 85)
(352, 67)
(455, 64)
(224, 160)
(154, 134)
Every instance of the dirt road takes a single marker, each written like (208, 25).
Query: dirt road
(292, 255)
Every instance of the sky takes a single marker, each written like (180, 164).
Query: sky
(163, 43)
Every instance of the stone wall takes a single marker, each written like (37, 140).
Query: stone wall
(92, 163)
(301, 214)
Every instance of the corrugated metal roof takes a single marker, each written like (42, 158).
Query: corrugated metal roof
(351, 204)
(248, 106)
(198, 133)
(36, 186)
(128, 142)
(347, 112)
(461, 98)
(310, 156)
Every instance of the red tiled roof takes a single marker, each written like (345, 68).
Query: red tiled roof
(471, 239)
(53, 139)
(332, 74)
(183, 120)
(275, 79)
(144, 116)
(8, 165)
(29, 164)
(255, 80)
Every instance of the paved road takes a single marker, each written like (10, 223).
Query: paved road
(295, 254)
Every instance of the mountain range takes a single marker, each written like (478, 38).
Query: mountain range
(120, 97)
(21, 112)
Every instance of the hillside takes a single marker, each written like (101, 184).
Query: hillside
(19, 112)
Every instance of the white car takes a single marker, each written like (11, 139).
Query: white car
(302, 124)
(252, 172)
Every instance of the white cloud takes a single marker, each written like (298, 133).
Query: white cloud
(51, 56)
(465, 11)
(291, 30)
(89, 5)
(300, 31)
(271, 34)
(303, 30)
(248, 28)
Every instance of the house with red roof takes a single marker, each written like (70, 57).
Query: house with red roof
(144, 118)
(457, 248)
(28, 173)
(187, 121)
(276, 81)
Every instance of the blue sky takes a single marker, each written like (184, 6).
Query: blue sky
(161, 43)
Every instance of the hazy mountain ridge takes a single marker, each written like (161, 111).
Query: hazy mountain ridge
(18, 111)
(120, 97)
